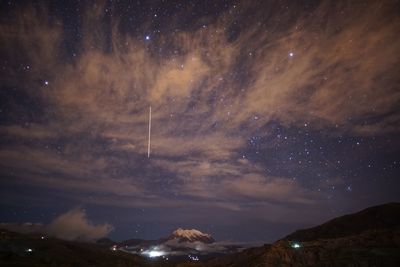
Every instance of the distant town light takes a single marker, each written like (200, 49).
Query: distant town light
(296, 245)
(193, 258)
(154, 252)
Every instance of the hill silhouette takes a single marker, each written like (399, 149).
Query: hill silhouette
(386, 216)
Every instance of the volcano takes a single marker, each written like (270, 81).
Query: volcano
(193, 235)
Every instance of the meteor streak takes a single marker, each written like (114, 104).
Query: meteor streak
(149, 141)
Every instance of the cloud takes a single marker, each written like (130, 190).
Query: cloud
(71, 225)
(176, 247)
(249, 188)
(107, 87)
(272, 188)
(74, 225)
(234, 182)
(206, 86)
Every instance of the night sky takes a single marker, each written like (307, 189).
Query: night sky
(267, 116)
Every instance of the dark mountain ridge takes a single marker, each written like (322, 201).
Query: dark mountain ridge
(369, 238)
(385, 216)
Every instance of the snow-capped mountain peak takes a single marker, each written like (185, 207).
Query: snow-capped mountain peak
(191, 235)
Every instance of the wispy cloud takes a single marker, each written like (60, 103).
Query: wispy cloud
(210, 90)
(74, 225)
(71, 225)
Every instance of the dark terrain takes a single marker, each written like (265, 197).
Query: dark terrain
(368, 238)
(54, 252)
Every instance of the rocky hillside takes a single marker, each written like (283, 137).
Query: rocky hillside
(378, 217)
(27, 250)
(370, 238)
(372, 248)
